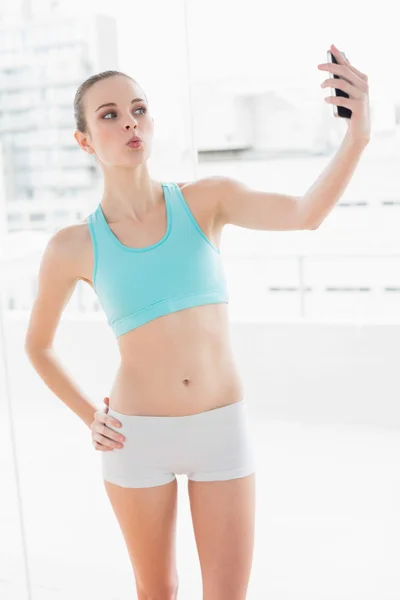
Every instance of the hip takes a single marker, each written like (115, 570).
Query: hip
(208, 446)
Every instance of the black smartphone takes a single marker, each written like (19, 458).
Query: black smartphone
(339, 111)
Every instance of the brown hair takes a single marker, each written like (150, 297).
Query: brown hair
(79, 112)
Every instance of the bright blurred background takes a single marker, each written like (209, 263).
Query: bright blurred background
(235, 90)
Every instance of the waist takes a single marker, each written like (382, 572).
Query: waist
(181, 365)
(174, 400)
(177, 390)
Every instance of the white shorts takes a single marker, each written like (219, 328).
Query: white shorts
(213, 445)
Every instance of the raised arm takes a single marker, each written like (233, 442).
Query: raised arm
(237, 204)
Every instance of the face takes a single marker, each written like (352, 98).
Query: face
(110, 127)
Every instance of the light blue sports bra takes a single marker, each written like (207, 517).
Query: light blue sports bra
(136, 285)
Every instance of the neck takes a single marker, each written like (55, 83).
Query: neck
(130, 192)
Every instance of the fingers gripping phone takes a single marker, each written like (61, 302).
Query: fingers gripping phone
(339, 111)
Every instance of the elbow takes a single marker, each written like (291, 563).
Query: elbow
(33, 349)
(309, 222)
(29, 345)
(311, 226)
(29, 350)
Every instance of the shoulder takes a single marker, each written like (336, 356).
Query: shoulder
(66, 247)
(209, 194)
(69, 239)
(210, 190)
(212, 184)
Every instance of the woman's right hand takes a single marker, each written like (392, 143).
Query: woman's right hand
(103, 437)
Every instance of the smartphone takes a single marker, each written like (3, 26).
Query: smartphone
(339, 111)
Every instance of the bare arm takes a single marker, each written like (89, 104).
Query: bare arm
(242, 206)
(57, 279)
(239, 205)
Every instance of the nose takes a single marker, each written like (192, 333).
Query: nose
(131, 122)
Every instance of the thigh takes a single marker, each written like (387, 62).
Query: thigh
(223, 514)
(147, 518)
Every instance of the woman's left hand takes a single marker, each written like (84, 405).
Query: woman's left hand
(356, 85)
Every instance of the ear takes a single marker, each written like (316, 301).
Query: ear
(83, 142)
(89, 149)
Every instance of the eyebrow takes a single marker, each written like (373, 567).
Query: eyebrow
(113, 103)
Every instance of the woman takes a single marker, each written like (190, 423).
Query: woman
(150, 250)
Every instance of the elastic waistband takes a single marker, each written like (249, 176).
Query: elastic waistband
(221, 411)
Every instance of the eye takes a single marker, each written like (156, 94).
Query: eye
(143, 108)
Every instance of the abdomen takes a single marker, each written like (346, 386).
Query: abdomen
(181, 363)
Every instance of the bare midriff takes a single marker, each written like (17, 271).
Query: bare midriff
(178, 364)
